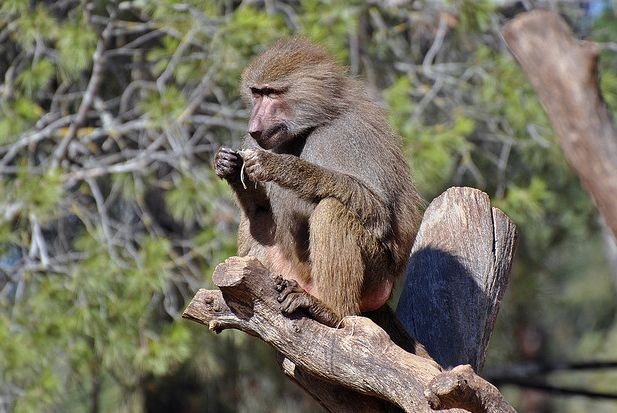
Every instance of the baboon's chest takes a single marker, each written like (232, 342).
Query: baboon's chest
(291, 220)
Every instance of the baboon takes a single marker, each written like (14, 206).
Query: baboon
(326, 198)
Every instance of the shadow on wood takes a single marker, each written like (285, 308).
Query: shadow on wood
(457, 275)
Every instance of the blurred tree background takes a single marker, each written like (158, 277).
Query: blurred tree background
(111, 216)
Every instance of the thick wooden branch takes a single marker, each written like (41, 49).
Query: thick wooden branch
(335, 397)
(563, 71)
(461, 387)
(457, 275)
(359, 355)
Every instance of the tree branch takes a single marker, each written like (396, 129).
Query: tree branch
(461, 387)
(358, 355)
(98, 65)
(248, 302)
(357, 367)
(563, 71)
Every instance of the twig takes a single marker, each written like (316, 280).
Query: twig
(550, 388)
(434, 49)
(175, 59)
(32, 138)
(37, 243)
(198, 94)
(100, 205)
(98, 65)
(427, 70)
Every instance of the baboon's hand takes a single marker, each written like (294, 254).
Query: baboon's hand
(294, 299)
(291, 296)
(227, 164)
(258, 164)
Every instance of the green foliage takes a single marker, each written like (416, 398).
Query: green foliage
(474, 15)
(504, 89)
(10, 7)
(35, 79)
(17, 116)
(85, 322)
(39, 195)
(604, 30)
(608, 85)
(35, 25)
(160, 56)
(164, 107)
(529, 205)
(244, 35)
(164, 350)
(435, 150)
(330, 22)
(75, 48)
(187, 200)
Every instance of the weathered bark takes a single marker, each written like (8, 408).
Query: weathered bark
(359, 355)
(457, 275)
(335, 397)
(563, 71)
(461, 387)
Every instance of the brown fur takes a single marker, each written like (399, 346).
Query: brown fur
(335, 208)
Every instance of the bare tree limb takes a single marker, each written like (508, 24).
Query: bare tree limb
(98, 66)
(334, 397)
(359, 354)
(357, 367)
(563, 71)
(32, 137)
(461, 387)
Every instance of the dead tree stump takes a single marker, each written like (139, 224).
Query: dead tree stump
(457, 275)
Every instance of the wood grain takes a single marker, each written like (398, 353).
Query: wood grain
(457, 275)
(564, 74)
(464, 253)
